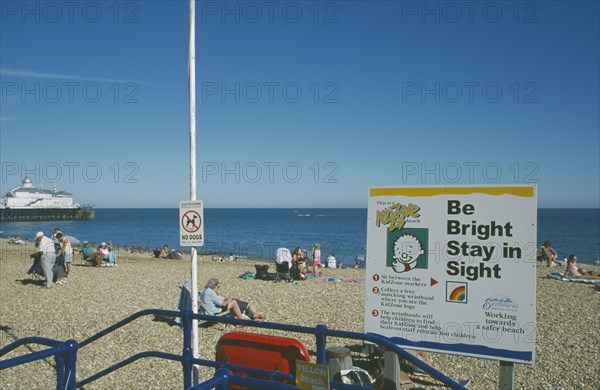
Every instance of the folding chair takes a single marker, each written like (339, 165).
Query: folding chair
(185, 302)
(35, 270)
(88, 261)
(360, 261)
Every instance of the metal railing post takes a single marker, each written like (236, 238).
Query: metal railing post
(71, 364)
(60, 371)
(225, 374)
(188, 353)
(320, 334)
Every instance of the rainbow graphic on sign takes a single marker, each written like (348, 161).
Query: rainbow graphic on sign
(456, 292)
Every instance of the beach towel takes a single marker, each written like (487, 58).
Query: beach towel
(338, 280)
(283, 255)
(561, 276)
(248, 275)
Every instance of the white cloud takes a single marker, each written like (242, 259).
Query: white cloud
(44, 75)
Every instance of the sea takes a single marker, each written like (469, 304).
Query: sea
(256, 233)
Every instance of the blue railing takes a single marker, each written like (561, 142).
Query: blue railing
(65, 354)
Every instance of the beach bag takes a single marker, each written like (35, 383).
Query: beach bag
(60, 260)
(295, 274)
(355, 376)
(262, 272)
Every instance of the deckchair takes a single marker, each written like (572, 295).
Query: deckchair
(185, 302)
(360, 261)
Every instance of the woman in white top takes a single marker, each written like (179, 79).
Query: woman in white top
(331, 262)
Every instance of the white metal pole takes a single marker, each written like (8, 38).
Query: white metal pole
(192, 90)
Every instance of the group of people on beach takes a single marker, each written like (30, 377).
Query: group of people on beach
(54, 256)
(103, 256)
(16, 240)
(299, 266)
(550, 256)
(166, 253)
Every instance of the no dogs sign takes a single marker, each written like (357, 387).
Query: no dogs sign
(191, 223)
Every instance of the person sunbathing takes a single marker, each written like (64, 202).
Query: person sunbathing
(574, 271)
(216, 303)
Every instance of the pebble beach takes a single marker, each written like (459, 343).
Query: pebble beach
(568, 319)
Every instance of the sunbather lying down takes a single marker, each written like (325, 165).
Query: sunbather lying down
(216, 303)
(574, 271)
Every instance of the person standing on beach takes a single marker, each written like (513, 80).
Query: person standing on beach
(46, 247)
(66, 251)
(55, 240)
(316, 263)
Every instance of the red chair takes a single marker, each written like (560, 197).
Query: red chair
(266, 352)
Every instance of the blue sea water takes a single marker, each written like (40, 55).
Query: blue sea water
(257, 233)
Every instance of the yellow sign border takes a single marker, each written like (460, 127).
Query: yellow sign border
(523, 191)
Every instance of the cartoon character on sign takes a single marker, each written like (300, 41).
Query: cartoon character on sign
(407, 250)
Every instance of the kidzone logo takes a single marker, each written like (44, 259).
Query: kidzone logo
(396, 215)
(457, 292)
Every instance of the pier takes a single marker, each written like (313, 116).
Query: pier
(46, 214)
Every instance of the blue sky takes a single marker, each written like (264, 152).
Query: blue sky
(300, 103)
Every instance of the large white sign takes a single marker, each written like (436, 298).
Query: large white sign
(191, 223)
(452, 269)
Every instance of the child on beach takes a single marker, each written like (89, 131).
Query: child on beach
(67, 251)
(316, 263)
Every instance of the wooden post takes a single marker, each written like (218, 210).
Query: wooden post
(391, 371)
(506, 376)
